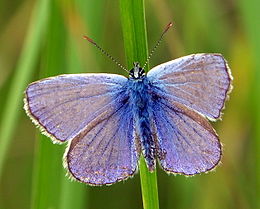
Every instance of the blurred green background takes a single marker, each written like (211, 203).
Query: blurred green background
(44, 37)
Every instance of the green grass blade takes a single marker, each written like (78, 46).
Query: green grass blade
(22, 75)
(135, 39)
(48, 172)
(134, 31)
(149, 187)
(73, 194)
(251, 15)
(47, 175)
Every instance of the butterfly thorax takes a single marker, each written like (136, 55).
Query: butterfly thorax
(138, 88)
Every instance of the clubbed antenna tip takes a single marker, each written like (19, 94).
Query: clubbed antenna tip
(167, 27)
(89, 39)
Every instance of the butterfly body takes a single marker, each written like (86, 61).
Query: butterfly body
(109, 120)
(139, 89)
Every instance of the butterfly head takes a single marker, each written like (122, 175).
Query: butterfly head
(137, 72)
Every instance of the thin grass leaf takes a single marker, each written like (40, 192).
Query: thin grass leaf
(136, 49)
(251, 16)
(22, 75)
(73, 194)
(48, 170)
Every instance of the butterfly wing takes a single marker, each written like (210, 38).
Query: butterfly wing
(107, 151)
(62, 106)
(199, 81)
(187, 143)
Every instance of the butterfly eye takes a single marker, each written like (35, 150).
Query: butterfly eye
(131, 73)
(141, 72)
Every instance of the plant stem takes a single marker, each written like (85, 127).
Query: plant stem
(136, 49)
(250, 18)
(22, 76)
(48, 172)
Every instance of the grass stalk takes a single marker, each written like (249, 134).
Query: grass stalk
(136, 49)
(73, 194)
(251, 16)
(25, 67)
(48, 172)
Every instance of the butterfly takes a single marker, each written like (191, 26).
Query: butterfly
(109, 120)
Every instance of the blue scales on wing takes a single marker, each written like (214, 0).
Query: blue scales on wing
(199, 81)
(92, 111)
(186, 91)
(187, 143)
(107, 151)
(63, 105)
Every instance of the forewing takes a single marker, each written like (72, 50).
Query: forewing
(199, 81)
(107, 151)
(63, 105)
(187, 143)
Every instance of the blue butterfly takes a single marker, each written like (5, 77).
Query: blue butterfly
(110, 120)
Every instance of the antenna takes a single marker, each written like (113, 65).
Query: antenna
(105, 53)
(157, 43)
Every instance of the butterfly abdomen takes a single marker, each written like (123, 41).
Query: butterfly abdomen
(140, 99)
